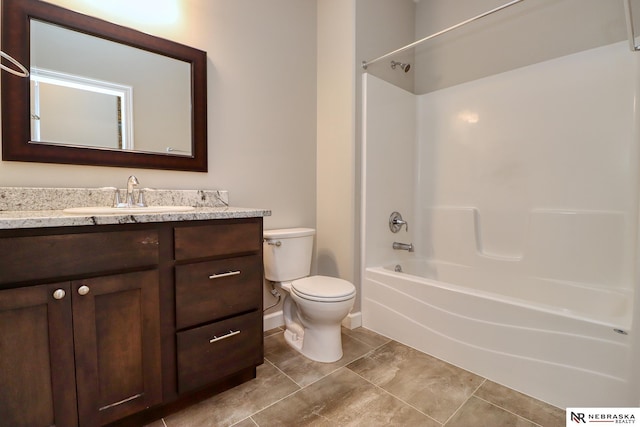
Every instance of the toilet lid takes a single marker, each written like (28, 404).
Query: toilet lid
(323, 288)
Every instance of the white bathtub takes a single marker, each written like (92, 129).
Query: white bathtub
(539, 339)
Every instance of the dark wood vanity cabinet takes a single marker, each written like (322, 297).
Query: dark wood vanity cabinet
(84, 350)
(107, 323)
(37, 368)
(116, 329)
(218, 301)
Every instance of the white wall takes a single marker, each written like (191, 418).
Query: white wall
(383, 26)
(523, 34)
(261, 105)
(336, 220)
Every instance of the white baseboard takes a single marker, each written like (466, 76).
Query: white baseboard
(275, 320)
(353, 320)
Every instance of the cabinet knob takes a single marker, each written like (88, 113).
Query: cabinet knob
(59, 293)
(83, 290)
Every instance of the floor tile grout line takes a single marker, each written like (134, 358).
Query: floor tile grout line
(484, 380)
(348, 363)
(395, 397)
(322, 377)
(294, 381)
(245, 419)
(300, 388)
(270, 405)
(507, 410)
(371, 350)
(283, 373)
(373, 347)
(476, 389)
(326, 375)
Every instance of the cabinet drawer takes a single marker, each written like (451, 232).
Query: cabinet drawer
(211, 352)
(41, 257)
(225, 238)
(208, 291)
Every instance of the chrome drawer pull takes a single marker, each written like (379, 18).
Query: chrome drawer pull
(223, 337)
(227, 274)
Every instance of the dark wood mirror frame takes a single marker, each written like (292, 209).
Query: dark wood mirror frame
(16, 122)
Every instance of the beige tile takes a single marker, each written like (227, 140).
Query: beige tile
(366, 336)
(478, 413)
(429, 384)
(341, 399)
(157, 423)
(305, 371)
(272, 332)
(234, 405)
(246, 423)
(527, 407)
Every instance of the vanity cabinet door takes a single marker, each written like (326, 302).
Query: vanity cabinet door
(117, 345)
(36, 357)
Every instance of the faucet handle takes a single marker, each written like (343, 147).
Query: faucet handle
(396, 222)
(117, 201)
(141, 200)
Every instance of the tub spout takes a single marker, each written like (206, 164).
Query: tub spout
(403, 246)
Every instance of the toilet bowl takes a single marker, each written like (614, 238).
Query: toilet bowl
(314, 306)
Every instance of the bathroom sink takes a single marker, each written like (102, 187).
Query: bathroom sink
(102, 210)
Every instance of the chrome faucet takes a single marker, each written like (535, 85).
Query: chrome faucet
(403, 246)
(129, 202)
(131, 183)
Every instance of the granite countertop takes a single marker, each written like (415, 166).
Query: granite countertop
(43, 207)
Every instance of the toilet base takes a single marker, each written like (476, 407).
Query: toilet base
(320, 345)
(314, 328)
(293, 339)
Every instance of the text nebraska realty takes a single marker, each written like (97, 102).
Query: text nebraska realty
(580, 417)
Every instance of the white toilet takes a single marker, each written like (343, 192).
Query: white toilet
(314, 306)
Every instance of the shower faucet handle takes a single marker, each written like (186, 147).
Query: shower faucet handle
(396, 222)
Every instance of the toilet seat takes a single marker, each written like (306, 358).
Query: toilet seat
(323, 289)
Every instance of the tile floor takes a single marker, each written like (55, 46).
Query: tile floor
(378, 382)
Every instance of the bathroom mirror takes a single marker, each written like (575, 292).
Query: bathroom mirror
(99, 93)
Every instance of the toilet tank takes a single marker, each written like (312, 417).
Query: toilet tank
(287, 253)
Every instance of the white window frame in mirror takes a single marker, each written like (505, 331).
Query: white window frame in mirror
(123, 92)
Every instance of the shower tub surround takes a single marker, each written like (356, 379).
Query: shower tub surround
(26, 207)
(521, 194)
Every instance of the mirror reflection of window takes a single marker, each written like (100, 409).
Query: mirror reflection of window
(162, 109)
(100, 111)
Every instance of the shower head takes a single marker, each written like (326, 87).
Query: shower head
(403, 67)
